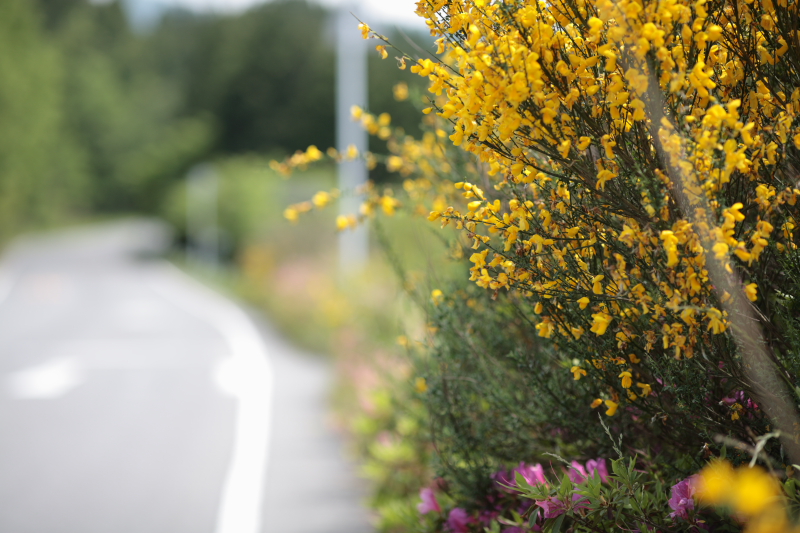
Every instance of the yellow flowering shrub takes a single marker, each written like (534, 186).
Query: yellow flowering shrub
(624, 150)
(623, 176)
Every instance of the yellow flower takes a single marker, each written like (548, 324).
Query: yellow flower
(751, 291)
(612, 407)
(626, 379)
(577, 372)
(720, 250)
(545, 328)
(597, 287)
(437, 296)
(634, 359)
(365, 30)
(715, 322)
(583, 302)
(755, 490)
(400, 91)
(420, 385)
(321, 199)
(715, 483)
(382, 51)
(646, 389)
(342, 222)
(597, 403)
(601, 322)
(751, 492)
(290, 214)
(564, 147)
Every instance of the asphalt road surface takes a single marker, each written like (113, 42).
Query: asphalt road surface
(134, 399)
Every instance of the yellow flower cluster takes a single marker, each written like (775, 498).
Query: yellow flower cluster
(624, 145)
(749, 492)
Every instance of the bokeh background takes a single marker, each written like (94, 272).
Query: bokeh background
(107, 111)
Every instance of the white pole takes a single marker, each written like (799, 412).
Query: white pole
(351, 89)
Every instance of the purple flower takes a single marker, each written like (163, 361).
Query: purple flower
(552, 507)
(429, 502)
(599, 466)
(504, 479)
(579, 502)
(533, 474)
(681, 499)
(458, 520)
(576, 472)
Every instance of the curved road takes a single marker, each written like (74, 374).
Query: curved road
(133, 399)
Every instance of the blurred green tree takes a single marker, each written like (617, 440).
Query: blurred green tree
(41, 168)
(267, 76)
(119, 110)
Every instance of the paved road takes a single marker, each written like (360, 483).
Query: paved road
(133, 399)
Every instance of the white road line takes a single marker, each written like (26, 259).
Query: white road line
(247, 375)
(45, 381)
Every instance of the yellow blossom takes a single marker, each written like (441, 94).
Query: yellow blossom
(749, 491)
(715, 483)
(612, 407)
(577, 372)
(290, 214)
(400, 91)
(751, 291)
(437, 296)
(626, 379)
(600, 323)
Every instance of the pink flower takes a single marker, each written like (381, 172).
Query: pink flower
(458, 520)
(576, 472)
(504, 479)
(533, 474)
(429, 502)
(682, 498)
(552, 507)
(599, 466)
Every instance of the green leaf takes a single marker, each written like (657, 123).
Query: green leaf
(534, 515)
(557, 524)
(791, 487)
(522, 483)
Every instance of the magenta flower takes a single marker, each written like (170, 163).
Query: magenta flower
(682, 498)
(429, 502)
(599, 466)
(533, 474)
(458, 520)
(552, 507)
(504, 479)
(576, 472)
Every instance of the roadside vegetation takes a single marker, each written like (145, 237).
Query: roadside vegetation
(619, 182)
